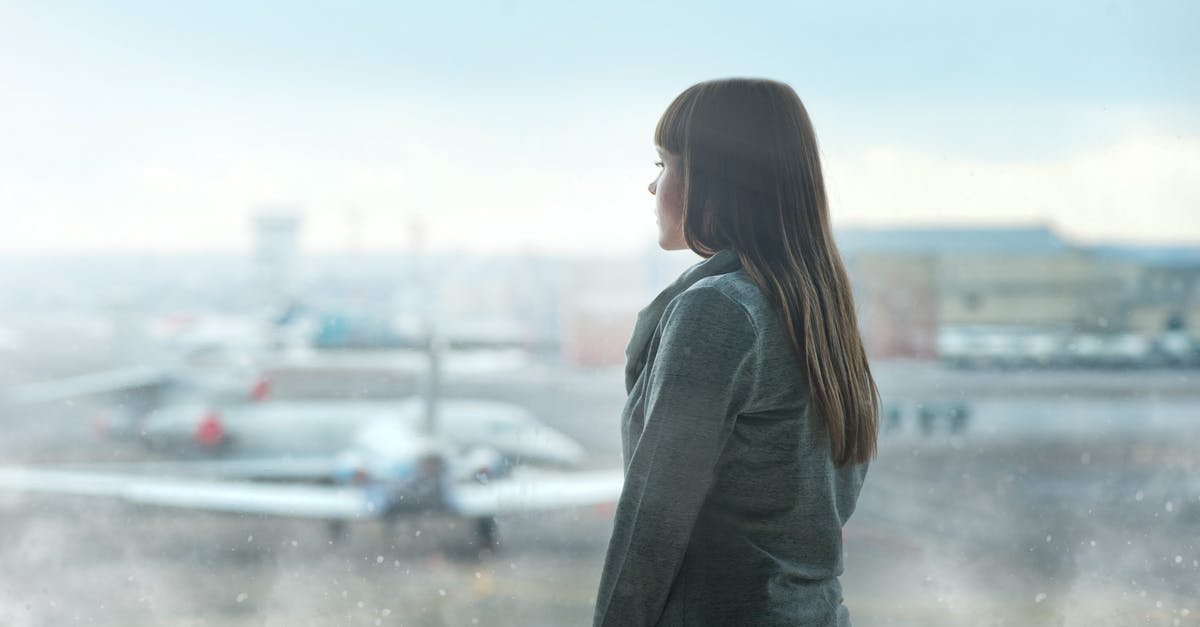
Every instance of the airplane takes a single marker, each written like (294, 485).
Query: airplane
(137, 391)
(392, 478)
(189, 364)
(160, 361)
(346, 460)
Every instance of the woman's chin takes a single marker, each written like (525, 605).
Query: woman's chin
(666, 244)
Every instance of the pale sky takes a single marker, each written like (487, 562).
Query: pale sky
(518, 125)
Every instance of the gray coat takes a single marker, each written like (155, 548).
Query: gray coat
(732, 509)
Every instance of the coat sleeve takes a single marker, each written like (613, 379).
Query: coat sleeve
(698, 382)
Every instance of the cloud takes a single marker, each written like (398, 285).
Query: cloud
(521, 189)
(1144, 188)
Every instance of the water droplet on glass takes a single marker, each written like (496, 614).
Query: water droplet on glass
(1041, 596)
(242, 597)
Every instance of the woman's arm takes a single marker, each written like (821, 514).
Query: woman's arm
(698, 382)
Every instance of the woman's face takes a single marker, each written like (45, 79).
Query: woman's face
(668, 200)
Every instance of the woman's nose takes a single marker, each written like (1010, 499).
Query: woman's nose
(653, 186)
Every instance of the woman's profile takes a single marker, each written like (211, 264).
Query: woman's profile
(752, 413)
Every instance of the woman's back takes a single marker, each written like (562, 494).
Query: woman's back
(762, 545)
(767, 547)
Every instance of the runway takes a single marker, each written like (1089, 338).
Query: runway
(1007, 522)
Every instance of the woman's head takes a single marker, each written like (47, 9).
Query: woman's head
(741, 171)
(748, 169)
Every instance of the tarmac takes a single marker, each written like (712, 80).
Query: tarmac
(1087, 513)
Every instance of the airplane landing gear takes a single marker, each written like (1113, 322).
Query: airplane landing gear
(338, 531)
(487, 533)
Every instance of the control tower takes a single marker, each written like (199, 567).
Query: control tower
(276, 233)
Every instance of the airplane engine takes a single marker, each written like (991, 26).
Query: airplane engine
(351, 469)
(482, 464)
(396, 484)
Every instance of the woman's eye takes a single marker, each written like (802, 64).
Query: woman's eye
(658, 164)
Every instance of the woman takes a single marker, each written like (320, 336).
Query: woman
(752, 413)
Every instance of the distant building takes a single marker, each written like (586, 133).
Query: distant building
(276, 247)
(911, 283)
(598, 307)
(1160, 287)
(896, 295)
(599, 301)
(1002, 296)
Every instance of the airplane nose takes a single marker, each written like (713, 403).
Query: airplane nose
(560, 449)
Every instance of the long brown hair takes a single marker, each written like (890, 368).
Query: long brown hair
(753, 184)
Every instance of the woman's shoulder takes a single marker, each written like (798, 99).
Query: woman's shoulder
(736, 286)
(727, 304)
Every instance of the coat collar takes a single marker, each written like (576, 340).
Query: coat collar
(723, 262)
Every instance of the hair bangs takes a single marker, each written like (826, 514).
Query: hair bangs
(672, 130)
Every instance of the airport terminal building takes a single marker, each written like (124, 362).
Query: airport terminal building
(1021, 295)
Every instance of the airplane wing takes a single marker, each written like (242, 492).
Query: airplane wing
(291, 500)
(530, 490)
(481, 361)
(313, 468)
(521, 492)
(123, 379)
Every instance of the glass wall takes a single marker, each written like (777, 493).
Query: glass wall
(290, 292)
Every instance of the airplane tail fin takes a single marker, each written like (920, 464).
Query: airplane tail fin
(435, 347)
